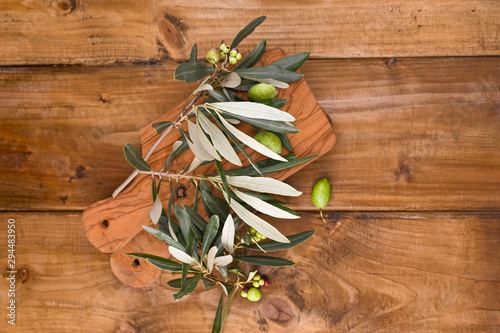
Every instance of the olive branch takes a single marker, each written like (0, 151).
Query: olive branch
(204, 250)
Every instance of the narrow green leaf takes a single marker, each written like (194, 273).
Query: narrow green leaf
(254, 56)
(185, 270)
(162, 125)
(183, 219)
(210, 232)
(194, 54)
(176, 283)
(271, 168)
(160, 262)
(246, 238)
(221, 97)
(191, 72)
(191, 286)
(271, 246)
(269, 72)
(164, 237)
(217, 325)
(275, 102)
(171, 200)
(263, 184)
(214, 205)
(268, 125)
(225, 311)
(176, 152)
(196, 197)
(223, 272)
(247, 31)
(293, 62)
(265, 261)
(222, 175)
(134, 158)
(196, 218)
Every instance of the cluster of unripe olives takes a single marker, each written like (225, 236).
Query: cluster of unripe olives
(214, 55)
(253, 293)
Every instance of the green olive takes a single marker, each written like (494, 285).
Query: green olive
(262, 91)
(321, 193)
(254, 294)
(269, 140)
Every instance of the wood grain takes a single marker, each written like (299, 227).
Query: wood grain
(97, 32)
(361, 272)
(418, 134)
(413, 134)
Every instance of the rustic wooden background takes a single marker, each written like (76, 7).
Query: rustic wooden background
(412, 88)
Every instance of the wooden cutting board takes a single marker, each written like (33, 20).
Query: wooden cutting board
(114, 225)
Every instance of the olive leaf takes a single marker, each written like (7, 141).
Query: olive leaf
(160, 262)
(252, 110)
(264, 207)
(194, 54)
(156, 210)
(201, 143)
(269, 72)
(162, 125)
(232, 80)
(219, 140)
(134, 158)
(254, 56)
(249, 141)
(164, 237)
(293, 62)
(247, 31)
(192, 71)
(265, 261)
(181, 256)
(271, 246)
(210, 233)
(262, 184)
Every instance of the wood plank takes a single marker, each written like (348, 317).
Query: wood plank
(418, 134)
(97, 32)
(361, 272)
(413, 134)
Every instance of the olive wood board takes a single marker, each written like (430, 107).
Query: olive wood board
(114, 225)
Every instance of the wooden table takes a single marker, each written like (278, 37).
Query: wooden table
(412, 88)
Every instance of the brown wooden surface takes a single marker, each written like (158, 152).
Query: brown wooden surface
(361, 272)
(103, 32)
(412, 236)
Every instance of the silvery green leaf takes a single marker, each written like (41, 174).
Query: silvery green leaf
(228, 232)
(223, 261)
(206, 87)
(249, 141)
(252, 110)
(257, 223)
(254, 56)
(271, 246)
(164, 237)
(265, 261)
(162, 125)
(268, 125)
(247, 31)
(201, 143)
(275, 102)
(264, 207)
(134, 158)
(219, 140)
(232, 80)
(156, 209)
(181, 256)
(263, 184)
(194, 53)
(210, 233)
(211, 257)
(269, 72)
(192, 71)
(276, 83)
(293, 62)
